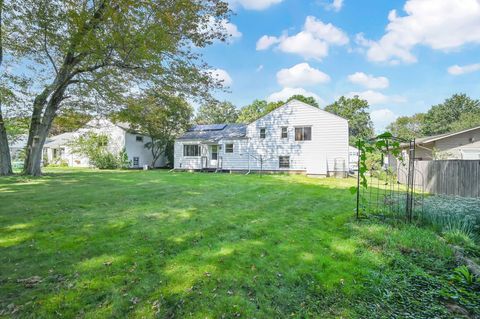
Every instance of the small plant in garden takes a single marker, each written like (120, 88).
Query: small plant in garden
(463, 274)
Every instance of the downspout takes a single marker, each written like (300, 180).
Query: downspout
(248, 157)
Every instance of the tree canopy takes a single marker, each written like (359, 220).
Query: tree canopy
(93, 53)
(159, 116)
(456, 112)
(214, 113)
(355, 110)
(407, 127)
(259, 108)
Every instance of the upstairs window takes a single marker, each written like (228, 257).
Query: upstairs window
(191, 150)
(284, 132)
(303, 133)
(262, 133)
(228, 148)
(139, 138)
(284, 161)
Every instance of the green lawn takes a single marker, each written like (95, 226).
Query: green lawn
(92, 244)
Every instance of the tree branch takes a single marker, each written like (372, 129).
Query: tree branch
(46, 49)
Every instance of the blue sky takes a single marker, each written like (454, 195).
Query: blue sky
(402, 61)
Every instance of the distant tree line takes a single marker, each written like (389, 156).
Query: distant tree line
(456, 113)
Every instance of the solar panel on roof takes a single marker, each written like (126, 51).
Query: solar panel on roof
(212, 127)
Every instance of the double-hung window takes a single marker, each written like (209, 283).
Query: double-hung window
(284, 161)
(284, 132)
(191, 150)
(303, 133)
(263, 132)
(139, 138)
(228, 148)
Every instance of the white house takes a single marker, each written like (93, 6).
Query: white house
(58, 149)
(295, 137)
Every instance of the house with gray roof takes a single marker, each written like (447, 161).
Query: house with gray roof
(294, 138)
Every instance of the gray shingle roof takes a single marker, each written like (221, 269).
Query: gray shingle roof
(214, 133)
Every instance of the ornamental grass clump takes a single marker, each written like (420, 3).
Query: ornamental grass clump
(452, 214)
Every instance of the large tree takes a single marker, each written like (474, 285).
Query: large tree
(221, 112)
(69, 120)
(355, 110)
(93, 52)
(407, 127)
(162, 117)
(444, 117)
(5, 160)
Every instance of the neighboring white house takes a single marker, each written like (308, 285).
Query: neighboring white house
(17, 147)
(295, 137)
(58, 149)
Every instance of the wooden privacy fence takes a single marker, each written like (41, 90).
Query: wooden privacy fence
(447, 177)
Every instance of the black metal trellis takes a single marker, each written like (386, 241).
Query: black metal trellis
(385, 195)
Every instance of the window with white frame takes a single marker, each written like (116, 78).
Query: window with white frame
(284, 161)
(284, 132)
(191, 150)
(263, 132)
(228, 148)
(139, 138)
(303, 133)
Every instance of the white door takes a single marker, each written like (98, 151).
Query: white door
(213, 155)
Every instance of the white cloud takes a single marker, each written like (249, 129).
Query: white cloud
(229, 28)
(266, 41)
(301, 75)
(439, 24)
(221, 75)
(368, 80)
(336, 5)
(253, 4)
(259, 68)
(374, 97)
(287, 92)
(459, 70)
(312, 42)
(232, 29)
(382, 118)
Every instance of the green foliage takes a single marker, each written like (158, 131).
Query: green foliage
(455, 112)
(452, 213)
(407, 127)
(69, 121)
(355, 110)
(96, 148)
(161, 117)
(217, 113)
(305, 99)
(463, 274)
(259, 108)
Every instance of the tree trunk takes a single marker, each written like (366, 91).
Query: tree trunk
(5, 160)
(39, 128)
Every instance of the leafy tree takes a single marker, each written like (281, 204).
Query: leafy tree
(92, 53)
(355, 110)
(305, 99)
(212, 113)
(407, 127)
(442, 118)
(466, 121)
(68, 121)
(161, 117)
(252, 112)
(96, 148)
(5, 160)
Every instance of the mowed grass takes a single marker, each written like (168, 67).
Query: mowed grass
(141, 244)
